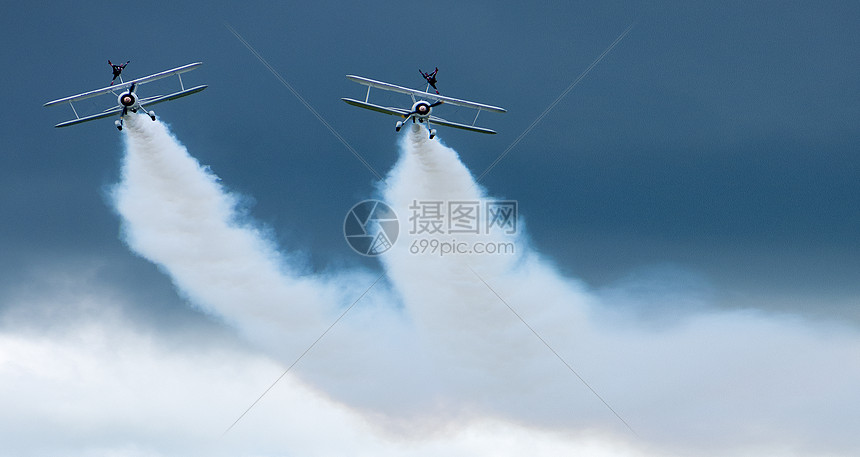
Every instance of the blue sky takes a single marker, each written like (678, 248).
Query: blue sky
(713, 151)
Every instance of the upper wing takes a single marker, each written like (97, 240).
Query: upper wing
(422, 94)
(138, 81)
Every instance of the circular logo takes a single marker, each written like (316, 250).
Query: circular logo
(371, 228)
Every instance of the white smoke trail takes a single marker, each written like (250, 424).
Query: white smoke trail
(178, 216)
(719, 381)
(745, 378)
(489, 361)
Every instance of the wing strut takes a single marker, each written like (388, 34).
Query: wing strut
(181, 86)
(367, 97)
(74, 110)
(476, 116)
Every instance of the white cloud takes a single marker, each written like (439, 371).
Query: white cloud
(108, 387)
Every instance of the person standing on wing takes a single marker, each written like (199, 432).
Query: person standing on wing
(431, 78)
(117, 70)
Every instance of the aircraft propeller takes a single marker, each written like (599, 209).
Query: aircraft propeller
(420, 106)
(130, 98)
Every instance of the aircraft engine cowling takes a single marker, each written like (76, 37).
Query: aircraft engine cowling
(127, 99)
(422, 108)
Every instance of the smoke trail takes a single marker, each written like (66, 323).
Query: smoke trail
(178, 216)
(489, 362)
(722, 381)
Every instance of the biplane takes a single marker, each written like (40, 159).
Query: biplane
(127, 98)
(421, 107)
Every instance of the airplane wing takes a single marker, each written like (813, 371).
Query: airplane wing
(425, 95)
(143, 102)
(119, 87)
(107, 113)
(173, 96)
(404, 112)
(379, 109)
(471, 128)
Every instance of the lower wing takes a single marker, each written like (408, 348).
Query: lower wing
(405, 112)
(107, 113)
(379, 109)
(143, 102)
(471, 128)
(173, 96)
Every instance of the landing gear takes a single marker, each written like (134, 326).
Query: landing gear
(118, 125)
(151, 114)
(418, 120)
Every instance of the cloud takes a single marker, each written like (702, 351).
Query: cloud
(101, 385)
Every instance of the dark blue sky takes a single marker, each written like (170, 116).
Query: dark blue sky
(718, 140)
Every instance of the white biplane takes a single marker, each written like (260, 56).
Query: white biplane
(421, 108)
(127, 99)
